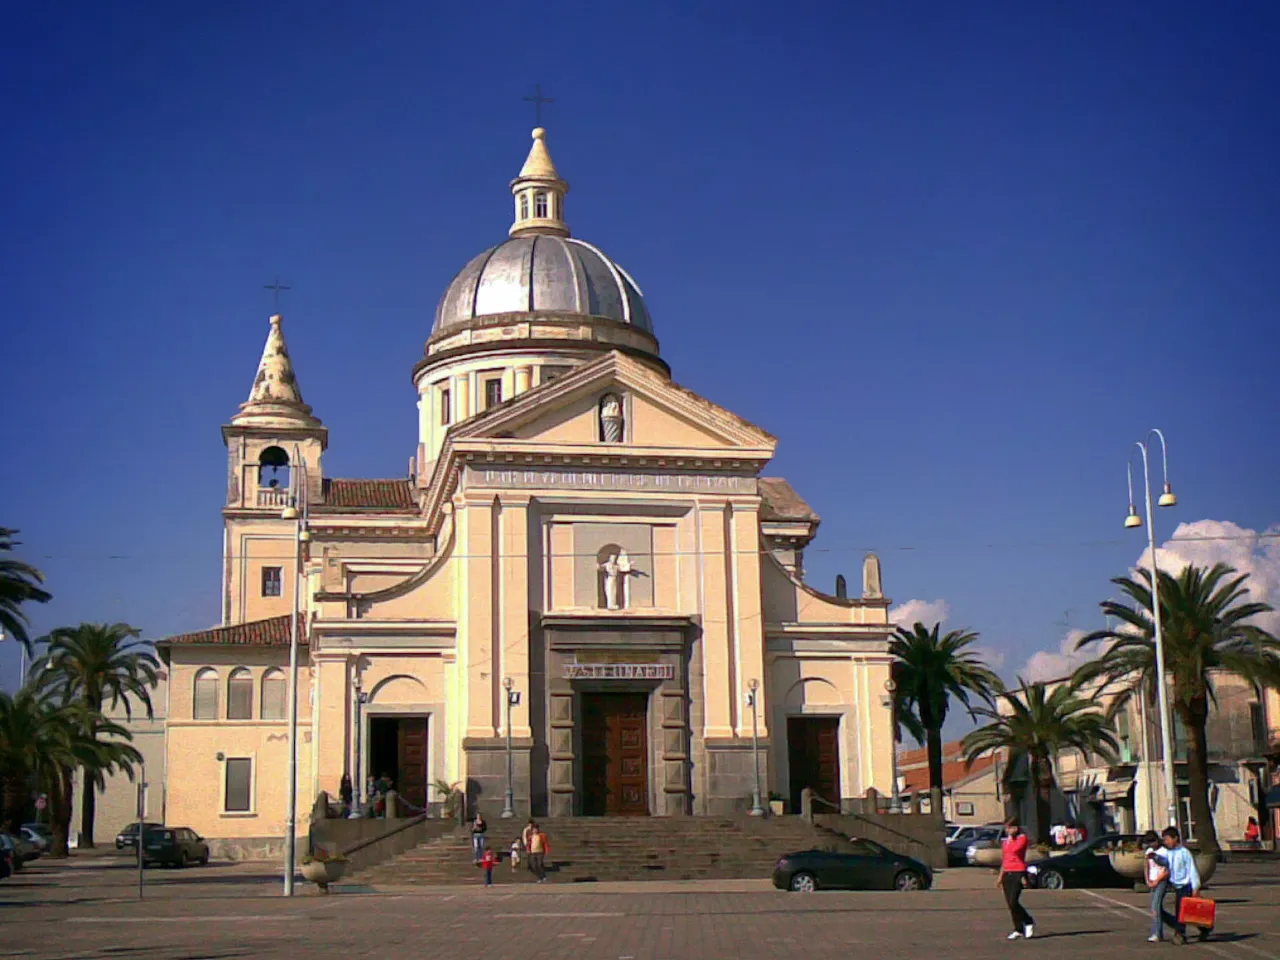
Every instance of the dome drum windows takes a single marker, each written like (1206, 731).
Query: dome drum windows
(524, 206)
(540, 205)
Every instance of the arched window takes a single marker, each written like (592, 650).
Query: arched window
(524, 206)
(240, 695)
(273, 694)
(540, 205)
(273, 468)
(205, 696)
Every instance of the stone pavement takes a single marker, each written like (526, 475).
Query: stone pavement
(87, 912)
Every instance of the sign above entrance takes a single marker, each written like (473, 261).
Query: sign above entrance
(620, 671)
(612, 480)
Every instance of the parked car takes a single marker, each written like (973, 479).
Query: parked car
(128, 837)
(174, 847)
(1087, 864)
(865, 865)
(36, 839)
(42, 829)
(19, 850)
(958, 845)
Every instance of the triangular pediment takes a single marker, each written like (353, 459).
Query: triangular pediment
(657, 413)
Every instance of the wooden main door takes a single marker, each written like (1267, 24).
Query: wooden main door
(615, 754)
(813, 754)
(412, 750)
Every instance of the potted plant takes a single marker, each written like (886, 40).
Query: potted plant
(1206, 865)
(451, 798)
(323, 868)
(777, 804)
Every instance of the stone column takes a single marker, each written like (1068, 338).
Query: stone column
(524, 376)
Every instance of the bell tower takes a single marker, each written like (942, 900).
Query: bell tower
(272, 433)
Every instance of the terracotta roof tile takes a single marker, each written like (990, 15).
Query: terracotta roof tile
(272, 632)
(396, 495)
(913, 767)
(781, 502)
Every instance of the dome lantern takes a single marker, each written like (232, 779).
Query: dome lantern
(539, 193)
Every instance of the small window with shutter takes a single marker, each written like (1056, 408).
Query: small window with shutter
(205, 706)
(273, 694)
(240, 695)
(272, 581)
(239, 785)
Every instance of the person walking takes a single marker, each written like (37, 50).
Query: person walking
(1012, 878)
(1157, 876)
(1184, 880)
(538, 850)
(478, 829)
(526, 837)
(488, 862)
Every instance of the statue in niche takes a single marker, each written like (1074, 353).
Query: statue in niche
(611, 418)
(871, 589)
(618, 571)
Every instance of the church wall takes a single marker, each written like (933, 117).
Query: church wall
(655, 426)
(194, 745)
(254, 544)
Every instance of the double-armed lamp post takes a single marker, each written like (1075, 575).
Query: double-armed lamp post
(296, 511)
(509, 796)
(753, 689)
(1166, 499)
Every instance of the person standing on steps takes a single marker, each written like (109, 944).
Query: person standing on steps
(1012, 878)
(538, 849)
(478, 829)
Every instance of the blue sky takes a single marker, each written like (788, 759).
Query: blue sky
(958, 257)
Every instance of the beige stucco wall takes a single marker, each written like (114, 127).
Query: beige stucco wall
(196, 775)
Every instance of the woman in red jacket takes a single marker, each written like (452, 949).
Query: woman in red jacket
(1012, 878)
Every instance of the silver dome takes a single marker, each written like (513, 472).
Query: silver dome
(542, 273)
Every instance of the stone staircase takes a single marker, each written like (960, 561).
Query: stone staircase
(585, 849)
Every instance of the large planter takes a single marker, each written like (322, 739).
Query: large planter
(1130, 864)
(988, 857)
(1206, 864)
(323, 873)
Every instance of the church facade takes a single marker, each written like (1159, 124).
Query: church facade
(586, 562)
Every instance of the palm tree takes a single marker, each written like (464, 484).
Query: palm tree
(928, 671)
(99, 665)
(19, 583)
(1203, 613)
(1035, 725)
(42, 741)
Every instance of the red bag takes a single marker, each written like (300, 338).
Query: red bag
(1198, 912)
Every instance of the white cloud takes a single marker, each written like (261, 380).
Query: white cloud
(1047, 665)
(927, 612)
(1204, 543)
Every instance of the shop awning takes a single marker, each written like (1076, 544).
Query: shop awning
(1116, 789)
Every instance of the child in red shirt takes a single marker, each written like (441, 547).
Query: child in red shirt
(488, 862)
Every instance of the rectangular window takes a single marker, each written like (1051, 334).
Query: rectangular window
(444, 407)
(272, 581)
(964, 809)
(492, 392)
(1257, 728)
(239, 785)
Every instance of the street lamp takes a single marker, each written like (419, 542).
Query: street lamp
(753, 686)
(891, 688)
(357, 685)
(508, 796)
(1167, 499)
(296, 511)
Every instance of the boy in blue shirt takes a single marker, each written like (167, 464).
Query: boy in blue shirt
(1183, 879)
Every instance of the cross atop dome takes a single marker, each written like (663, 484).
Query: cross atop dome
(539, 193)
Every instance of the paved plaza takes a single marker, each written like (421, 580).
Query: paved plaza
(89, 909)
